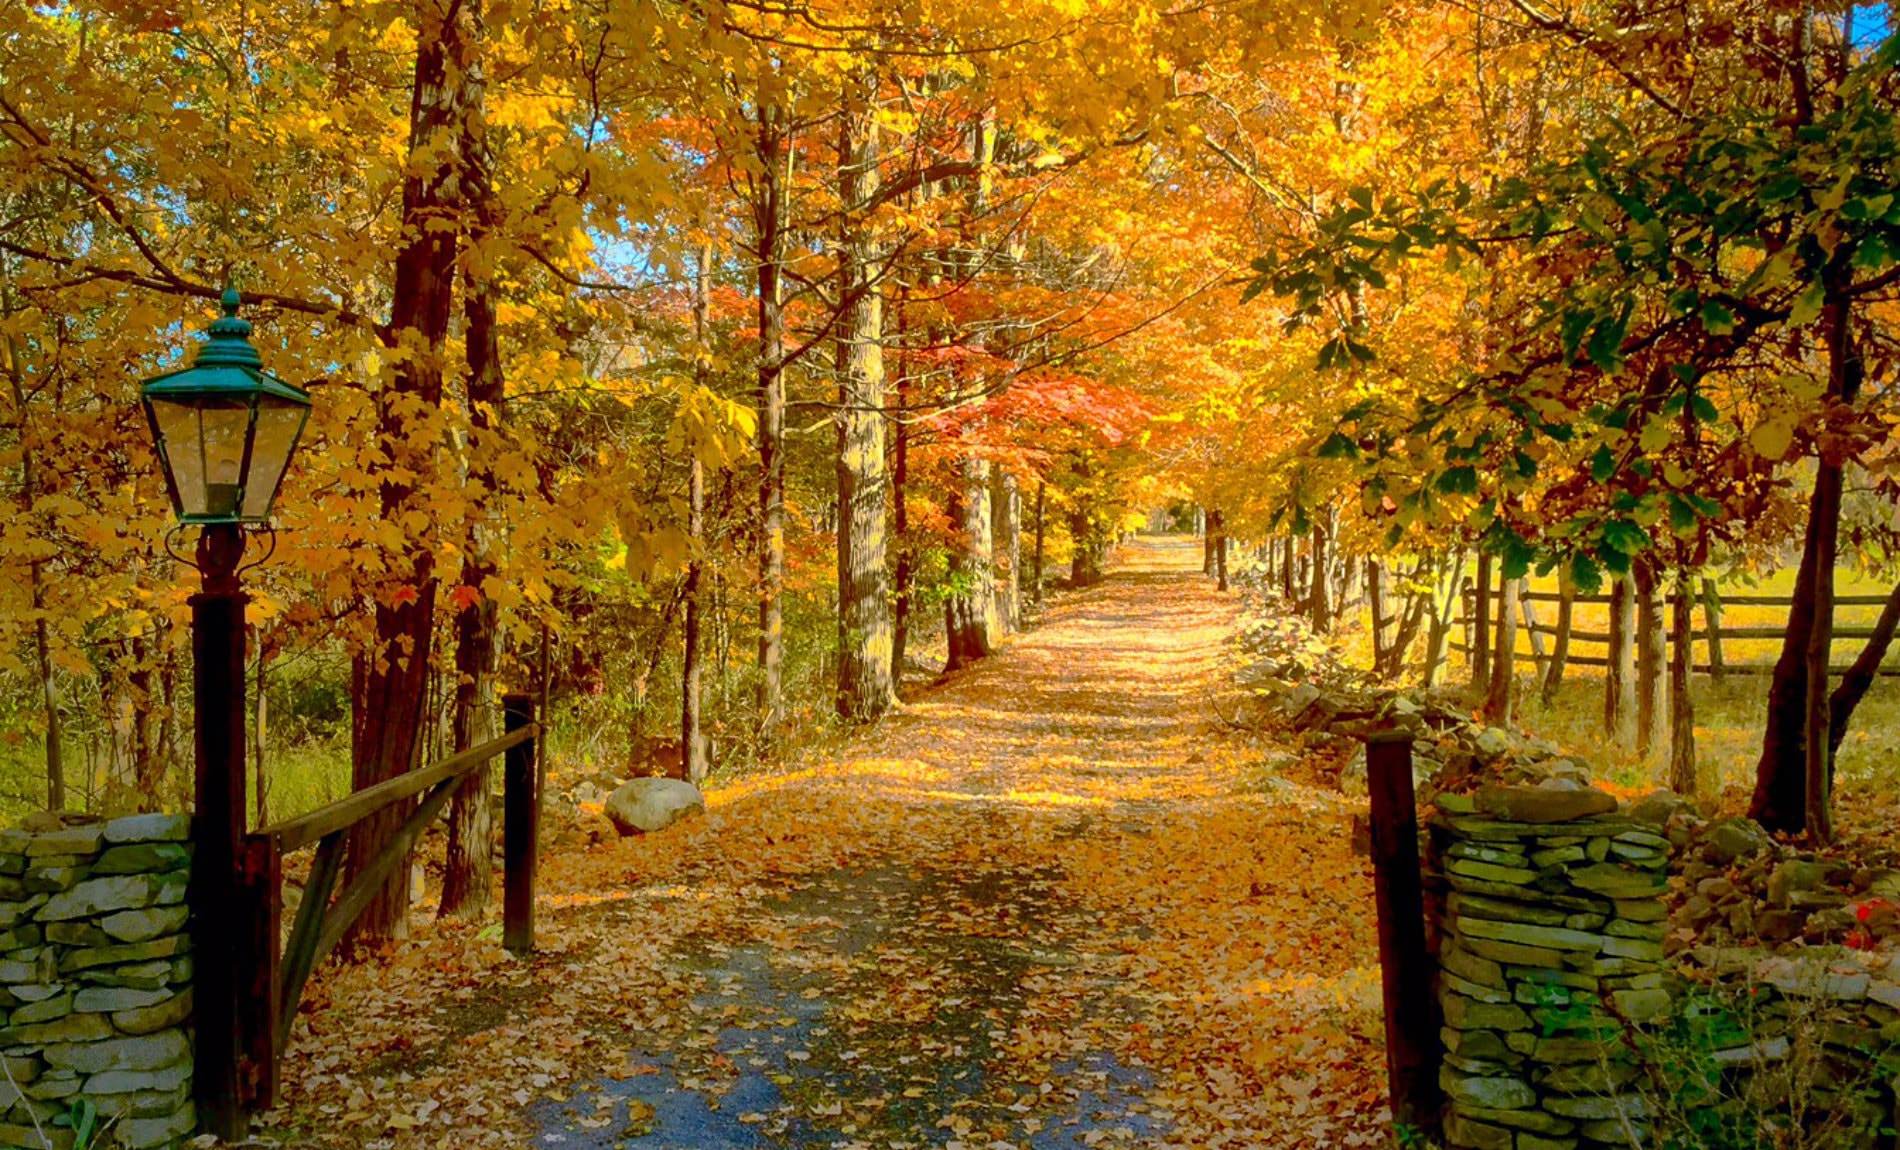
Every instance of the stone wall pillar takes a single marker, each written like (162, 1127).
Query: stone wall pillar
(1551, 943)
(95, 979)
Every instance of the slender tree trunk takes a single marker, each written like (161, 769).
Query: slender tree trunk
(1682, 769)
(1619, 681)
(1287, 585)
(1007, 530)
(1844, 376)
(1439, 633)
(1650, 716)
(1042, 511)
(775, 159)
(1085, 550)
(1208, 522)
(1220, 549)
(1500, 692)
(866, 687)
(900, 505)
(36, 578)
(1322, 603)
(49, 692)
(260, 734)
(1527, 614)
(695, 756)
(1712, 620)
(970, 609)
(468, 869)
(1481, 627)
(1860, 676)
(1375, 601)
(1560, 645)
(391, 677)
(1780, 799)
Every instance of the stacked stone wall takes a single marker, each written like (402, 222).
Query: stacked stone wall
(1550, 939)
(95, 982)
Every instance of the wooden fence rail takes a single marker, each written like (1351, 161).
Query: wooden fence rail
(280, 967)
(1712, 632)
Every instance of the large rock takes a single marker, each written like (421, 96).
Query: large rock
(1548, 804)
(148, 1052)
(102, 896)
(646, 805)
(1736, 838)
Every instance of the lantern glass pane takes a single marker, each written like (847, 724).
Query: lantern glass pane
(224, 425)
(278, 423)
(178, 428)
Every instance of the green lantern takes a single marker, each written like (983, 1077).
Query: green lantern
(225, 427)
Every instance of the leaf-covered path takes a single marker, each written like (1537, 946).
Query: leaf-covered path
(1050, 905)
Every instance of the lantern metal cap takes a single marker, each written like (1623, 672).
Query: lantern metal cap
(227, 345)
(228, 339)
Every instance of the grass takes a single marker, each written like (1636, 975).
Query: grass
(1729, 715)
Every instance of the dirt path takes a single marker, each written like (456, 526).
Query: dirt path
(1050, 905)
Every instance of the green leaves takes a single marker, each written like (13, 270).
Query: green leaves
(1459, 481)
(1617, 541)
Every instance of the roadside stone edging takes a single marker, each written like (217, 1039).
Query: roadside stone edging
(95, 980)
(1550, 940)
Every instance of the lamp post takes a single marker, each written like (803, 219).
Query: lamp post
(225, 430)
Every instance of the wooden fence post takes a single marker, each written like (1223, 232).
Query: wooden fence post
(260, 883)
(521, 799)
(1411, 1018)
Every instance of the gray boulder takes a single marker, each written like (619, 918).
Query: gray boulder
(646, 805)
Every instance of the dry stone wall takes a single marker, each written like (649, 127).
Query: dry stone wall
(1550, 936)
(95, 982)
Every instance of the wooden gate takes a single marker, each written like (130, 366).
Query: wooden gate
(275, 967)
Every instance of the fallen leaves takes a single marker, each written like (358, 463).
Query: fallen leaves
(1047, 901)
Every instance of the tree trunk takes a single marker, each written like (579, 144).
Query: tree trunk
(1560, 644)
(901, 577)
(1220, 550)
(1650, 665)
(1527, 614)
(1712, 620)
(1860, 677)
(768, 210)
(970, 609)
(1006, 507)
(49, 692)
(695, 756)
(1619, 680)
(390, 679)
(1208, 524)
(1042, 511)
(1287, 585)
(1682, 771)
(468, 869)
(1780, 798)
(1439, 633)
(1481, 627)
(1500, 692)
(1322, 603)
(866, 686)
(260, 732)
(29, 492)
(1085, 550)
(1375, 601)
(1844, 375)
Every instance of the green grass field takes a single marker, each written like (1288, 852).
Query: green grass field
(1728, 715)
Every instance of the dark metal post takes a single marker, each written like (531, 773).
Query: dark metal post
(520, 801)
(1411, 1017)
(217, 911)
